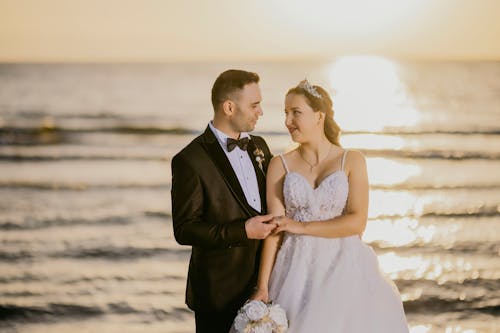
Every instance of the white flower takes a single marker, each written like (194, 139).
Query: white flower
(278, 315)
(260, 317)
(255, 310)
(240, 322)
(262, 328)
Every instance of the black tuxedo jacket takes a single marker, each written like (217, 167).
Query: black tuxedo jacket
(209, 211)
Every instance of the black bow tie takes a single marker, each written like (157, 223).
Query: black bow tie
(232, 143)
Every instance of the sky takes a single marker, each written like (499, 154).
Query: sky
(250, 30)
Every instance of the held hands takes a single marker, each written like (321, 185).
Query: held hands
(285, 223)
(259, 227)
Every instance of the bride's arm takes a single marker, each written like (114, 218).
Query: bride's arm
(275, 206)
(353, 221)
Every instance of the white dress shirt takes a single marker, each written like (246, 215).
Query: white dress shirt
(243, 168)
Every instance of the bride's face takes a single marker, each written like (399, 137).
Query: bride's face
(302, 122)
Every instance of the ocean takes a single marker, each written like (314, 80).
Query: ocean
(85, 210)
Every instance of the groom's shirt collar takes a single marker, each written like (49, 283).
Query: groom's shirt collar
(243, 168)
(222, 137)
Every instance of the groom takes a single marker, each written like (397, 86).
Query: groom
(219, 202)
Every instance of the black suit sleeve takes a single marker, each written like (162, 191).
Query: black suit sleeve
(188, 200)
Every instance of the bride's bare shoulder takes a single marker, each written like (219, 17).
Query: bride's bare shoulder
(354, 155)
(275, 164)
(354, 160)
(279, 163)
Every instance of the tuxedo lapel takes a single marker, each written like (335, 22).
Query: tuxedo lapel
(216, 153)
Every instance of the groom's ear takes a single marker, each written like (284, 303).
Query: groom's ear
(228, 107)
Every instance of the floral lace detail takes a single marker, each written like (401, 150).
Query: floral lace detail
(303, 203)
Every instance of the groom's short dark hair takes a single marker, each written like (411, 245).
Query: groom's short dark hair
(229, 82)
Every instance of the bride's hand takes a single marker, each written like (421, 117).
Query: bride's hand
(285, 223)
(260, 294)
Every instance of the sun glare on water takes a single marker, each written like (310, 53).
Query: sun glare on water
(369, 95)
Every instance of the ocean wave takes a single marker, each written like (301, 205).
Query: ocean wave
(49, 186)
(37, 313)
(426, 155)
(104, 252)
(436, 304)
(52, 126)
(14, 256)
(432, 154)
(26, 277)
(482, 248)
(478, 248)
(113, 253)
(46, 158)
(52, 311)
(488, 286)
(30, 132)
(483, 211)
(465, 212)
(119, 278)
(12, 312)
(472, 295)
(420, 187)
(491, 131)
(119, 253)
(25, 293)
(158, 214)
(77, 186)
(34, 223)
(52, 135)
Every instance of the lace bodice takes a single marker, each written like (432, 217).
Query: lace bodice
(304, 203)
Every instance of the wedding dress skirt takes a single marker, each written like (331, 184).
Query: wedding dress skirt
(330, 284)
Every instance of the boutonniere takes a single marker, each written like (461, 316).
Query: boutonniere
(259, 157)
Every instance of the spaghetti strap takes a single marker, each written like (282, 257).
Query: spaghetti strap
(343, 159)
(284, 163)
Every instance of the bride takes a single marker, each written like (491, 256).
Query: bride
(315, 265)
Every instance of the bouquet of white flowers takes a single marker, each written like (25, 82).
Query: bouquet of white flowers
(260, 317)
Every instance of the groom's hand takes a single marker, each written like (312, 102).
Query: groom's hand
(259, 227)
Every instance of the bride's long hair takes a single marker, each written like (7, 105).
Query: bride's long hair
(320, 103)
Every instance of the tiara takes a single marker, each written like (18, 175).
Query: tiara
(304, 84)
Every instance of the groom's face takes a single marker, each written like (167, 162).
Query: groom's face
(247, 108)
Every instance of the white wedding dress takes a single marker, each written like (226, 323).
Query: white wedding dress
(330, 284)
